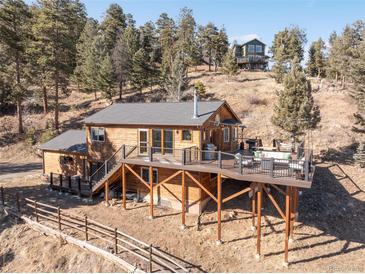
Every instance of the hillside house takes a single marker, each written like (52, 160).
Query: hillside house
(175, 155)
(251, 55)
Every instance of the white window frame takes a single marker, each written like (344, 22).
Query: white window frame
(226, 134)
(253, 49)
(258, 47)
(148, 172)
(235, 134)
(98, 129)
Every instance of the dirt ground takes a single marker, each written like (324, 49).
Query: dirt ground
(25, 250)
(329, 237)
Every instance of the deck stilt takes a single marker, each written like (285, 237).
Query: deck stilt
(293, 211)
(259, 205)
(151, 191)
(287, 223)
(124, 188)
(183, 202)
(253, 205)
(106, 193)
(219, 206)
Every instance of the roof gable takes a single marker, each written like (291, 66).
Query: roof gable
(254, 41)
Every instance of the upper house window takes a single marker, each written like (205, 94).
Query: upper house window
(98, 134)
(259, 48)
(251, 48)
(186, 135)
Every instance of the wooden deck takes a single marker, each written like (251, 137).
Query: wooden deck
(228, 169)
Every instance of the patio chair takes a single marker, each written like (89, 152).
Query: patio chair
(246, 161)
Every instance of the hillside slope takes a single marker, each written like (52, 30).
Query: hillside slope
(251, 94)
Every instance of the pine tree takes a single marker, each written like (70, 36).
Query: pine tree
(177, 82)
(316, 60)
(229, 64)
(287, 45)
(105, 77)
(140, 68)
(220, 47)
(113, 25)
(83, 49)
(56, 29)
(14, 37)
(207, 37)
(295, 111)
(357, 72)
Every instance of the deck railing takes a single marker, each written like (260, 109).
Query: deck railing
(238, 162)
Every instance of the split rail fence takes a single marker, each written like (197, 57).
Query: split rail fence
(150, 258)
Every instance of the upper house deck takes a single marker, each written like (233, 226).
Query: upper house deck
(241, 165)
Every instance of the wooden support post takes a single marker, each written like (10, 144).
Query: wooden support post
(240, 164)
(259, 205)
(79, 186)
(219, 159)
(86, 230)
(115, 241)
(287, 224)
(219, 206)
(69, 182)
(124, 188)
(293, 211)
(151, 191)
(60, 182)
(59, 218)
(253, 204)
(150, 259)
(183, 202)
(2, 196)
(51, 179)
(107, 193)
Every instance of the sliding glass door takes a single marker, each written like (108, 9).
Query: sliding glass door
(168, 141)
(156, 140)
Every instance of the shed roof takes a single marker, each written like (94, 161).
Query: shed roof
(177, 114)
(70, 141)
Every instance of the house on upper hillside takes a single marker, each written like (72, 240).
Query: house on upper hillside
(251, 55)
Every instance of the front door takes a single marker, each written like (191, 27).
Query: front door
(143, 141)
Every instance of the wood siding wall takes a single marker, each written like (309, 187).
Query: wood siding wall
(52, 164)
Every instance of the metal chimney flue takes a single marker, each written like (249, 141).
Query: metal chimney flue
(195, 115)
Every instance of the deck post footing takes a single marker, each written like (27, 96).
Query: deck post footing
(285, 264)
(253, 228)
(183, 227)
(150, 217)
(218, 242)
(291, 240)
(258, 257)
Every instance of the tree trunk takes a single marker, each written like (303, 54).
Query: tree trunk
(56, 122)
(120, 89)
(19, 96)
(20, 116)
(95, 95)
(45, 100)
(209, 62)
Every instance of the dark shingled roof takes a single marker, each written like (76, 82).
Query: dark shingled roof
(71, 141)
(177, 114)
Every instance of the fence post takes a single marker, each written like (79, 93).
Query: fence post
(2, 196)
(59, 218)
(51, 180)
(240, 163)
(86, 232)
(306, 170)
(150, 259)
(17, 202)
(79, 185)
(219, 159)
(272, 167)
(36, 211)
(69, 182)
(115, 241)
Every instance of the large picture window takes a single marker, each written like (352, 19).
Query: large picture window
(97, 134)
(145, 174)
(258, 48)
(251, 48)
(186, 135)
(226, 134)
